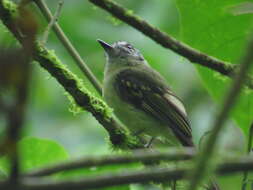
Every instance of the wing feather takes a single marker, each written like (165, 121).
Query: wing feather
(151, 95)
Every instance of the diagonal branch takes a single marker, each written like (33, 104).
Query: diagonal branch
(53, 20)
(169, 42)
(83, 98)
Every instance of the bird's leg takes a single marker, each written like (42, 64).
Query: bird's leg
(141, 138)
(150, 142)
(139, 132)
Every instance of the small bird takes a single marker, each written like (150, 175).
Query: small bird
(141, 98)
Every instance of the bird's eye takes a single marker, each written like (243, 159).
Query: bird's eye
(129, 47)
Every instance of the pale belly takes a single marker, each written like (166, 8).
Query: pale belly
(135, 120)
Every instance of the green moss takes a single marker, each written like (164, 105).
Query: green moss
(109, 3)
(220, 77)
(114, 20)
(101, 107)
(129, 12)
(133, 142)
(73, 108)
(10, 7)
(98, 106)
(230, 66)
(125, 141)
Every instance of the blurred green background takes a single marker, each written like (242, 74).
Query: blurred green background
(206, 25)
(49, 114)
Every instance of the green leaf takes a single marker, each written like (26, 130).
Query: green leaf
(3, 166)
(35, 153)
(211, 27)
(225, 182)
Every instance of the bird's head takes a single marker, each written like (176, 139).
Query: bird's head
(122, 53)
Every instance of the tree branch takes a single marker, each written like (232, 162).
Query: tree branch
(169, 42)
(140, 156)
(83, 98)
(16, 64)
(52, 22)
(16, 110)
(229, 101)
(152, 174)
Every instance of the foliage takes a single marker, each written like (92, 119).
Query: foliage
(36, 153)
(53, 134)
(220, 33)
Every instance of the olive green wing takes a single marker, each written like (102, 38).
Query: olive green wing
(148, 92)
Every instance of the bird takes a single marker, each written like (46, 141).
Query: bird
(141, 98)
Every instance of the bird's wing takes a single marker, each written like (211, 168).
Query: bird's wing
(151, 95)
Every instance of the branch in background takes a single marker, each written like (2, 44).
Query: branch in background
(52, 22)
(169, 42)
(13, 63)
(16, 118)
(17, 62)
(140, 156)
(69, 47)
(229, 101)
(83, 98)
(152, 174)
(147, 175)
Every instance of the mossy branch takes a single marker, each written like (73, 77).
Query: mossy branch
(167, 41)
(83, 98)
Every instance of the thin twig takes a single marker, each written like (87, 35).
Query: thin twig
(69, 47)
(52, 22)
(140, 156)
(169, 42)
(229, 102)
(155, 174)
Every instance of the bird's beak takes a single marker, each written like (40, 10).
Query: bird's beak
(107, 47)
